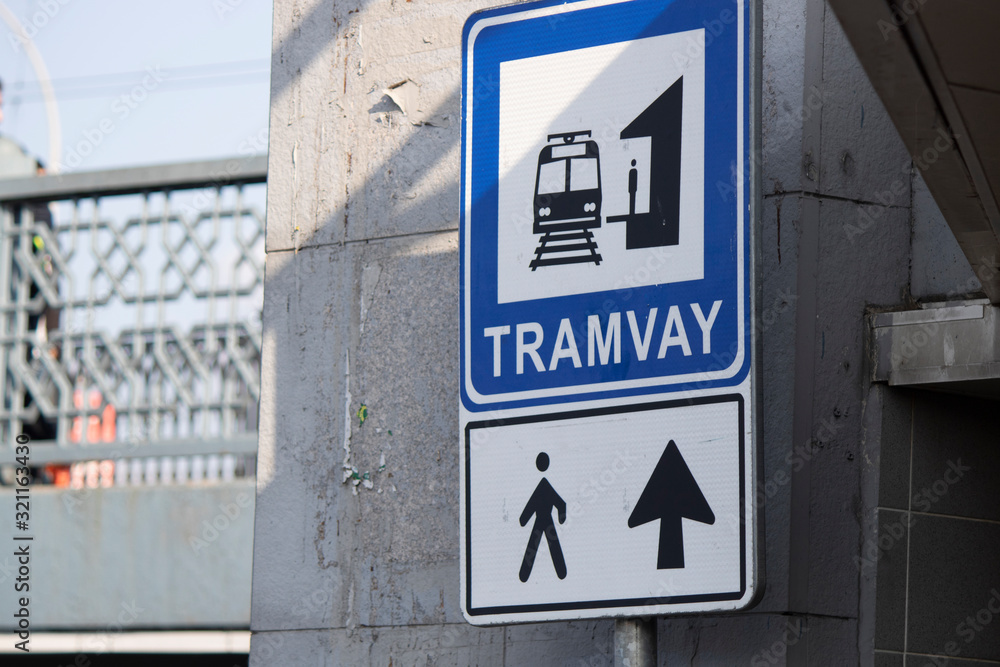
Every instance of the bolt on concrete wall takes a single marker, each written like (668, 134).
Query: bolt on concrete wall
(355, 552)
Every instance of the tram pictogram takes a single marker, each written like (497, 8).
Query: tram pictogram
(567, 204)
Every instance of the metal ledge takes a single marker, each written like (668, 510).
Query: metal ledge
(954, 348)
(43, 452)
(138, 558)
(86, 184)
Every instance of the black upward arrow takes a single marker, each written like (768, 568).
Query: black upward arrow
(671, 494)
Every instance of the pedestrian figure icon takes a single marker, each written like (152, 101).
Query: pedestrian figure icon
(541, 503)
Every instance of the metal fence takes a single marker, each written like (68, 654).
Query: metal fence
(130, 304)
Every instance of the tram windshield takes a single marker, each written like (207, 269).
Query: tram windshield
(552, 176)
(583, 174)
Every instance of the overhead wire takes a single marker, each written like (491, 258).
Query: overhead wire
(176, 78)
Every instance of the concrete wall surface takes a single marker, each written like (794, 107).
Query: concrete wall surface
(134, 558)
(361, 311)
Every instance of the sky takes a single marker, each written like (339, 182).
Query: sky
(139, 83)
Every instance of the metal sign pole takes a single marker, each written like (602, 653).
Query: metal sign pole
(635, 642)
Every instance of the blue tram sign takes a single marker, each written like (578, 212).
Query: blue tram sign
(607, 277)
(605, 224)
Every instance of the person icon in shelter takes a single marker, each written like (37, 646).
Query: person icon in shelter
(633, 186)
(541, 503)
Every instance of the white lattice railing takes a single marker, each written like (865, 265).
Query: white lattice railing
(130, 330)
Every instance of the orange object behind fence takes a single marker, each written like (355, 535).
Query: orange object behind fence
(99, 429)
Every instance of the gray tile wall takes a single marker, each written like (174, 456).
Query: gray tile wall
(938, 545)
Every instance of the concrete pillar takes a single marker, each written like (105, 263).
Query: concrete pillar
(356, 538)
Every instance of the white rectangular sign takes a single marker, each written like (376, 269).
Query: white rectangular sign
(571, 546)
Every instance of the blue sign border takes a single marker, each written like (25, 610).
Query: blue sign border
(583, 24)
